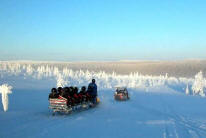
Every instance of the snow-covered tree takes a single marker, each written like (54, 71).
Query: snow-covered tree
(187, 91)
(61, 82)
(5, 89)
(198, 85)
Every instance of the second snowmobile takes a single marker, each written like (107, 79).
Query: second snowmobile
(121, 94)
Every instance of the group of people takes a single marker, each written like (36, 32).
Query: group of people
(74, 96)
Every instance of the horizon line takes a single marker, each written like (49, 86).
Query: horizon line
(87, 61)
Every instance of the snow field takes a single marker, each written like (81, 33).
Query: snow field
(160, 106)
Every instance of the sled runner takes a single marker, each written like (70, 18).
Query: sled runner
(60, 106)
(121, 94)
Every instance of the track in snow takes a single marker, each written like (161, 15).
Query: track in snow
(145, 115)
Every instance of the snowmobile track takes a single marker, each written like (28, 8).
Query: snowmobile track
(185, 125)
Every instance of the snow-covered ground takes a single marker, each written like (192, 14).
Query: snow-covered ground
(159, 106)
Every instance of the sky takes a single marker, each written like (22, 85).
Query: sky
(102, 30)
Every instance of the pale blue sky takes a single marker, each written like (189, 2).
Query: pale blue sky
(82, 30)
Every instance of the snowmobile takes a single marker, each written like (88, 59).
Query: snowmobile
(121, 94)
(59, 105)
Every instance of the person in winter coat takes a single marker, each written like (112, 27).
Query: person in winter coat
(84, 94)
(71, 94)
(53, 93)
(59, 90)
(92, 90)
(71, 90)
(67, 92)
(77, 96)
(74, 95)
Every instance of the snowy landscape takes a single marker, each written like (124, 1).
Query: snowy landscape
(102, 69)
(160, 105)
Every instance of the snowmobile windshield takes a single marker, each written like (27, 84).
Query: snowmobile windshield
(121, 89)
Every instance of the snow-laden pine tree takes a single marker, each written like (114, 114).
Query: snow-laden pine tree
(5, 89)
(187, 91)
(61, 81)
(198, 85)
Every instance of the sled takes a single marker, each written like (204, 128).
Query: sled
(60, 106)
(121, 94)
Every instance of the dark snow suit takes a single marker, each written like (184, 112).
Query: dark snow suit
(92, 90)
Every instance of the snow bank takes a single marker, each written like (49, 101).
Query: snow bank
(5, 89)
